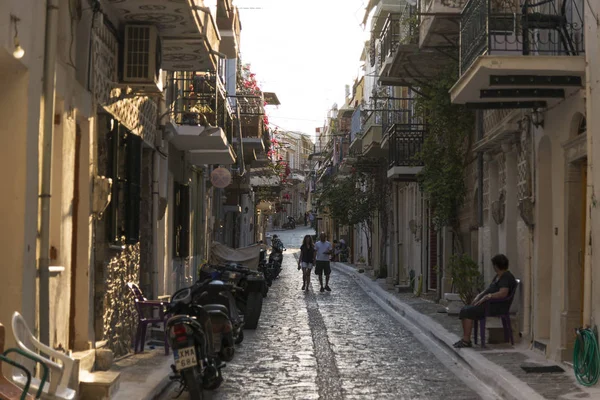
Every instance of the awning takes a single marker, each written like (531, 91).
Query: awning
(271, 99)
(265, 181)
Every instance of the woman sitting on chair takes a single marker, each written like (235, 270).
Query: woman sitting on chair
(501, 287)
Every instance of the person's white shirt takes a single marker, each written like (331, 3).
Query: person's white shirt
(322, 248)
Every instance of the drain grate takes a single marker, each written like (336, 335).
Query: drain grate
(541, 369)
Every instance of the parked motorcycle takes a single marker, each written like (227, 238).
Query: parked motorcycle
(252, 283)
(276, 261)
(217, 298)
(291, 224)
(190, 335)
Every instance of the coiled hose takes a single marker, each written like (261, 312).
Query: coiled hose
(586, 357)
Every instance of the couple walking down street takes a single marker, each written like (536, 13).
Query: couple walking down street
(317, 254)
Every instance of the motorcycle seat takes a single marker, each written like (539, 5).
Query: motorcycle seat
(216, 308)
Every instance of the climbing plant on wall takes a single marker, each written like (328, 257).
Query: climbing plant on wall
(446, 151)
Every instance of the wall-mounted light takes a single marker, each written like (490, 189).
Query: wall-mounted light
(18, 51)
(537, 118)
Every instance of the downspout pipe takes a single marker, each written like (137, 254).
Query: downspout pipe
(48, 89)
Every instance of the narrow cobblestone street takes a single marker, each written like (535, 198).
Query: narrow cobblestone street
(338, 345)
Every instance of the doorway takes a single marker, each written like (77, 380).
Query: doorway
(574, 273)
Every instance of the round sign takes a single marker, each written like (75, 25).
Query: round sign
(220, 177)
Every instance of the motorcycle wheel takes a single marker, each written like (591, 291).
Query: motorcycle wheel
(240, 337)
(253, 310)
(213, 378)
(227, 353)
(189, 377)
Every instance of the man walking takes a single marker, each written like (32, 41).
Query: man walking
(323, 251)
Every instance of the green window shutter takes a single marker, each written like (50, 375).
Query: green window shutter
(133, 188)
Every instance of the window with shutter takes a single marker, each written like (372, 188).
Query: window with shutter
(181, 221)
(125, 168)
(133, 188)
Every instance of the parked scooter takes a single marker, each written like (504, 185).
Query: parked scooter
(249, 299)
(291, 224)
(190, 335)
(217, 298)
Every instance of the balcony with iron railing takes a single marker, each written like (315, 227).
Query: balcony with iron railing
(520, 54)
(371, 137)
(439, 23)
(200, 118)
(406, 144)
(402, 61)
(199, 99)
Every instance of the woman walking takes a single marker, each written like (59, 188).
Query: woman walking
(306, 260)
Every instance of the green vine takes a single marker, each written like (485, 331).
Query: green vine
(446, 151)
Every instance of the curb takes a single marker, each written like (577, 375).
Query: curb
(162, 385)
(498, 378)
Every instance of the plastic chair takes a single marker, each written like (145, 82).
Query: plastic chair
(8, 390)
(505, 318)
(60, 374)
(146, 310)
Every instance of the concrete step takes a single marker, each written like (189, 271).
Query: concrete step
(101, 385)
(84, 363)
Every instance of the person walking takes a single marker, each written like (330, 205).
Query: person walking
(322, 265)
(311, 218)
(306, 260)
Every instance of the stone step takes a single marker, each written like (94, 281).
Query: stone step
(84, 363)
(85, 359)
(101, 385)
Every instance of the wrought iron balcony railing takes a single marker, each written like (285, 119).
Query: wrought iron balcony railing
(399, 29)
(390, 36)
(198, 98)
(405, 144)
(527, 27)
(356, 125)
(249, 105)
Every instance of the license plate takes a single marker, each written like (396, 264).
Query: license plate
(185, 358)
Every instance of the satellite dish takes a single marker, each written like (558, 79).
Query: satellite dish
(220, 177)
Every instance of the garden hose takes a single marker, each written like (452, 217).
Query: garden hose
(586, 357)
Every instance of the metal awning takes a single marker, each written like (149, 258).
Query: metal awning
(271, 99)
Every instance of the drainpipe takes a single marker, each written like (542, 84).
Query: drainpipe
(155, 200)
(48, 126)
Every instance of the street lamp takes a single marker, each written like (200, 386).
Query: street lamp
(537, 118)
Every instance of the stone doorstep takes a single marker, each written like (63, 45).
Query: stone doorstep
(84, 363)
(101, 385)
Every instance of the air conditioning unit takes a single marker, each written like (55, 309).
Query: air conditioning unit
(141, 59)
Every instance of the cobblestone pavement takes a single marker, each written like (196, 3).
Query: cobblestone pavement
(338, 345)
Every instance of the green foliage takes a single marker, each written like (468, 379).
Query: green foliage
(383, 272)
(359, 198)
(466, 278)
(447, 147)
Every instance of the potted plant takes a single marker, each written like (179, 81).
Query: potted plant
(467, 280)
(360, 263)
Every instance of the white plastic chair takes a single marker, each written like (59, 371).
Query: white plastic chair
(60, 374)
